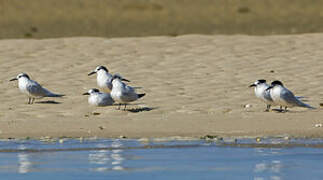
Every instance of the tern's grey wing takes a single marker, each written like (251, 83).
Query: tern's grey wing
(129, 89)
(109, 85)
(289, 97)
(129, 94)
(106, 99)
(37, 90)
(109, 81)
(267, 95)
(129, 97)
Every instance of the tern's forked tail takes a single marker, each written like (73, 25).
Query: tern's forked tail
(300, 103)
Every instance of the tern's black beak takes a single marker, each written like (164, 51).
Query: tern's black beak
(270, 87)
(13, 79)
(86, 93)
(93, 72)
(125, 80)
(252, 85)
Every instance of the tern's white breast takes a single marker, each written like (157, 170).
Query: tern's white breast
(117, 90)
(275, 93)
(22, 84)
(104, 80)
(260, 91)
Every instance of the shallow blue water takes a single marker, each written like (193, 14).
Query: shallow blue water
(131, 159)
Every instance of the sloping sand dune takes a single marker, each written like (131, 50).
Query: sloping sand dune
(194, 84)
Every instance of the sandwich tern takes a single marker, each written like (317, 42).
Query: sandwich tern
(104, 78)
(123, 93)
(98, 98)
(284, 97)
(262, 93)
(32, 89)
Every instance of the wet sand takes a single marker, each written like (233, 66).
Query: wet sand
(195, 85)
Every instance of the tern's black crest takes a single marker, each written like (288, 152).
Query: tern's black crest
(103, 67)
(95, 90)
(116, 76)
(277, 83)
(262, 81)
(23, 75)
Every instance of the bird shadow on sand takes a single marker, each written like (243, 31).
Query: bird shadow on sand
(135, 109)
(290, 111)
(279, 110)
(48, 102)
(141, 109)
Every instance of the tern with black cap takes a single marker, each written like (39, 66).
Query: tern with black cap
(32, 89)
(122, 93)
(284, 97)
(104, 78)
(261, 93)
(97, 98)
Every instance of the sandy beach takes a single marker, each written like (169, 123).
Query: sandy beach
(195, 85)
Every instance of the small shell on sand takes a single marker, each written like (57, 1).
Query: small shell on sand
(247, 106)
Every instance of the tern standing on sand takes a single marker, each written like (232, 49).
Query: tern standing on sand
(261, 92)
(104, 78)
(32, 89)
(98, 98)
(284, 97)
(123, 93)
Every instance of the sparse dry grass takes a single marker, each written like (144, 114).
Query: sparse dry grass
(112, 18)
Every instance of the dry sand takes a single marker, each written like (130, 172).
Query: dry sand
(195, 85)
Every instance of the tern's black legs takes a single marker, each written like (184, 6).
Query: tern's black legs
(31, 100)
(268, 108)
(119, 106)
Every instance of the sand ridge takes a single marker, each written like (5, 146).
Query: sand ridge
(194, 84)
